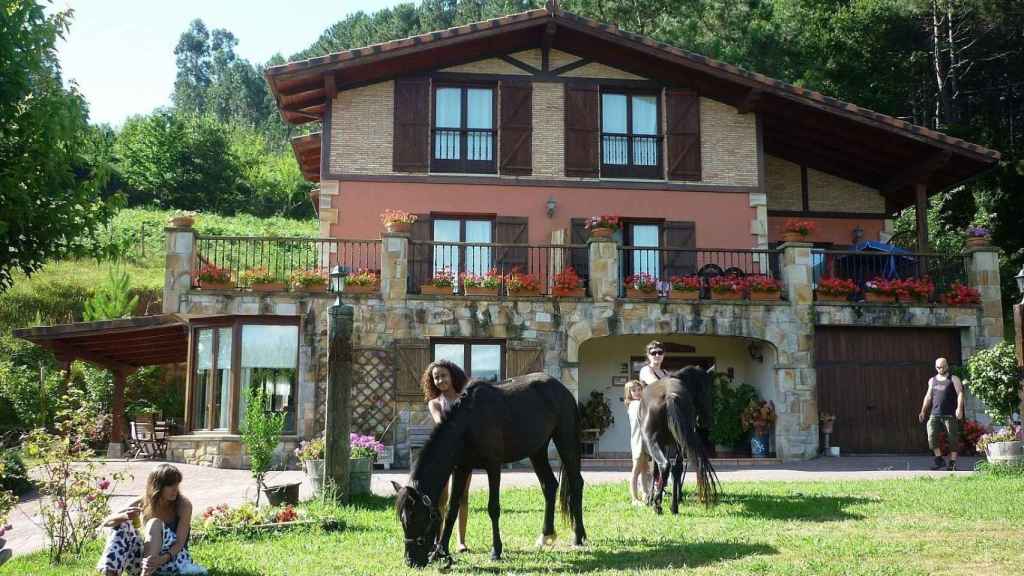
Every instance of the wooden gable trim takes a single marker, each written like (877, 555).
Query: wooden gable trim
(519, 64)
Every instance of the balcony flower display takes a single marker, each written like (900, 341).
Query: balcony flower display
(441, 283)
(960, 295)
(761, 287)
(917, 289)
(977, 236)
(211, 276)
(520, 284)
(879, 289)
(363, 281)
(642, 285)
(262, 280)
(312, 280)
(797, 230)
(728, 287)
(485, 284)
(567, 283)
(835, 289)
(685, 287)
(397, 221)
(603, 226)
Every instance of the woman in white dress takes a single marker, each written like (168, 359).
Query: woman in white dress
(631, 395)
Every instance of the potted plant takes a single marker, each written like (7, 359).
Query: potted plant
(827, 422)
(978, 236)
(761, 287)
(728, 402)
(362, 282)
(797, 230)
(642, 285)
(726, 287)
(397, 221)
(311, 454)
(567, 283)
(835, 289)
(603, 226)
(960, 295)
(520, 284)
(212, 277)
(1005, 446)
(363, 450)
(485, 284)
(441, 283)
(308, 280)
(917, 290)
(994, 378)
(880, 290)
(182, 219)
(595, 414)
(685, 288)
(261, 280)
(758, 416)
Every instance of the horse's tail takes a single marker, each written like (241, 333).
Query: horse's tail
(570, 486)
(681, 422)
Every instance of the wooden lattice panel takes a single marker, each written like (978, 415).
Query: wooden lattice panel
(373, 392)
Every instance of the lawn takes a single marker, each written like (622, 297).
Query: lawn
(949, 525)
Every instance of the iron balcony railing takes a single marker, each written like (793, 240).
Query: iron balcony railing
(862, 267)
(665, 263)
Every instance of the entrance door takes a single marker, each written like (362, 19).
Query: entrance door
(874, 379)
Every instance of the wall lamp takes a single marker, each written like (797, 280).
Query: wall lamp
(858, 234)
(551, 206)
(754, 349)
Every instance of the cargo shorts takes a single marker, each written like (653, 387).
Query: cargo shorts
(938, 424)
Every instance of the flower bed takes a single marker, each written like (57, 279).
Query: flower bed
(224, 520)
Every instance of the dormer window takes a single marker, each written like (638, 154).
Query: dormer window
(630, 135)
(463, 131)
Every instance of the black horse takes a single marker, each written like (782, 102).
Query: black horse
(675, 415)
(487, 427)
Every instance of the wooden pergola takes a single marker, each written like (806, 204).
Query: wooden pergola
(121, 346)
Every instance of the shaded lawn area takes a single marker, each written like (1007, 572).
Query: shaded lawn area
(948, 525)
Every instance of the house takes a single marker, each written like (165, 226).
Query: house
(503, 136)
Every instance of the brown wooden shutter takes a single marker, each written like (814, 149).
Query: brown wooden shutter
(412, 358)
(679, 235)
(683, 107)
(421, 258)
(523, 358)
(511, 230)
(412, 125)
(579, 257)
(582, 130)
(516, 128)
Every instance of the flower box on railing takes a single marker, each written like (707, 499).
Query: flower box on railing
(568, 292)
(877, 298)
(312, 288)
(641, 294)
(727, 296)
(684, 294)
(358, 289)
(774, 295)
(524, 293)
(269, 287)
(834, 298)
(431, 290)
(212, 285)
(480, 291)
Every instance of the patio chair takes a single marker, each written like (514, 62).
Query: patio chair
(143, 437)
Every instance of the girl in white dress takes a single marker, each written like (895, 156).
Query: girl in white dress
(631, 395)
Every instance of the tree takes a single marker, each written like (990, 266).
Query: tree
(112, 300)
(48, 189)
(993, 379)
(261, 432)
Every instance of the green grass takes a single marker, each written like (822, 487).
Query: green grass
(963, 525)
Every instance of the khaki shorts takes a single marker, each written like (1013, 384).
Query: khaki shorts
(938, 424)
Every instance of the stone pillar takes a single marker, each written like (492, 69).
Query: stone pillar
(983, 276)
(604, 269)
(339, 409)
(796, 430)
(394, 266)
(179, 253)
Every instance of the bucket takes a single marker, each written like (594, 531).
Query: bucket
(283, 494)
(360, 471)
(833, 451)
(1006, 452)
(315, 474)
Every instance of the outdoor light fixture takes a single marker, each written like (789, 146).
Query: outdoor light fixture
(551, 206)
(858, 234)
(754, 349)
(1020, 283)
(338, 274)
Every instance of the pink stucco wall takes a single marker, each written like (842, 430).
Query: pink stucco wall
(722, 219)
(835, 230)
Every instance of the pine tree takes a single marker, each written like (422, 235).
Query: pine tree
(112, 300)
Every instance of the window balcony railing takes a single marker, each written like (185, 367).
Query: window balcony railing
(863, 267)
(468, 150)
(281, 256)
(665, 263)
(630, 155)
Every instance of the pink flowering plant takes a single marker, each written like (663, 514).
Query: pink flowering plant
(643, 282)
(74, 494)
(443, 278)
(489, 279)
(364, 447)
(609, 221)
(222, 519)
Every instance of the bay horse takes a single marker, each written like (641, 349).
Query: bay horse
(675, 415)
(493, 424)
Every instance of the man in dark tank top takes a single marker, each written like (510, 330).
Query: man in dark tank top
(943, 407)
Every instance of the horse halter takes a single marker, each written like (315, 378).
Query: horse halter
(435, 518)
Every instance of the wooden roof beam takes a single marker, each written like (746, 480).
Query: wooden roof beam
(750, 102)
(917, 173)
(65, 352)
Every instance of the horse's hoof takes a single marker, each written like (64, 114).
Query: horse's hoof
(546, 540)
(495, 555)
(657, 510)
(675, 511)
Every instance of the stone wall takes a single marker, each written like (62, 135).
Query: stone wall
(223, 451)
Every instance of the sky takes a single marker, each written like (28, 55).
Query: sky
(121, 52)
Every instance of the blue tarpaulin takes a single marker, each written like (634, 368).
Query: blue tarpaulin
(899, 264)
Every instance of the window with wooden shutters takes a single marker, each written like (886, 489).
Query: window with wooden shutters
(463, 139)
(420, 253)
(683, 111)
(475, 258)
(411, 149)
(579, 257)
(630, 135)
(480, 359)
(512, 230)
(516, 128)
(582, 128)
(679, 239)
(523, 358)
(412, 358)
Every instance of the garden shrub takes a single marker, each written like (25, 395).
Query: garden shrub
(728, 403)
(993, 380)
(15, 476)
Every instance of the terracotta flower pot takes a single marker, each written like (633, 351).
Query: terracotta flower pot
(211, 285)
(430, 289)
(875, 297)
(473, 291)
(978, 241)
(827, 427)
(684, 294)
(354, 289)
(398, 227)
(726, 295)
(524, 293)
(182, 222)
(573, 293)
(269, 287)
(313, 289)
(634, 293)
(766, 296)
(601, 232)
(793, 237)
(832, 297)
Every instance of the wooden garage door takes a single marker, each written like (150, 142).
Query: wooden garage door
(874, 379)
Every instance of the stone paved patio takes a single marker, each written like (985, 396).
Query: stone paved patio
(210, 486)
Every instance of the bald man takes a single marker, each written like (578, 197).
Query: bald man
(945, 398)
